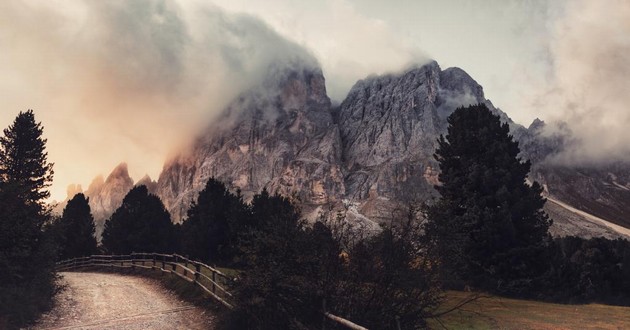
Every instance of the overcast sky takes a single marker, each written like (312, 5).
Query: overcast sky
(131, 81)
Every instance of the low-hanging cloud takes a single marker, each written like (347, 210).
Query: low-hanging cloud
(130, 81)
(589, 80)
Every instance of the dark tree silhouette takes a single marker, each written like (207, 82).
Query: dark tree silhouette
(27, 254)
(390, 281)
(23, 158)
(140, 224)
(276, 289)
(291, 270)
(489, 224)
(77, 231)
(214, 221)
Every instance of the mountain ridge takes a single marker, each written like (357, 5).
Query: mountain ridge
(368, 154)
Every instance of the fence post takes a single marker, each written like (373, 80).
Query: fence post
(153, 267)
(214, 280)
(397, 322)
(175, 264)
(197, 270)
(185, 266)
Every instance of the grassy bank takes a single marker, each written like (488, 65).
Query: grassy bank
(504, 313)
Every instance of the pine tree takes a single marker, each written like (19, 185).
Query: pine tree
(140, 224)
(489, 225)
(23, 157)
(77, 229)
(277, 289)
(27, 254)
(213, 223)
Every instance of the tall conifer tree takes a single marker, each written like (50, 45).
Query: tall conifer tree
(78, 229)
(214, 221)
(489, 225)
(26, 252)
(23, 157)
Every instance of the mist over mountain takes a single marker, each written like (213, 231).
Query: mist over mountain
(365, 157)
(230, 97)
(373, 152)
(279, 135)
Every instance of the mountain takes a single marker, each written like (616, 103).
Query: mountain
(106, 195)
(280, 136)
(389, 127)
(373, 152)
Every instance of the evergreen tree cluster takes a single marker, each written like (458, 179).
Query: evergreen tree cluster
(589, 270)
(292, 272)
(490, 232)
(140, 224)
(214, 221)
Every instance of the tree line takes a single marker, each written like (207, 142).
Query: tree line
(486, 232)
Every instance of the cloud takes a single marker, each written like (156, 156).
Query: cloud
(130, 81)
(589, 86)
(349, 43)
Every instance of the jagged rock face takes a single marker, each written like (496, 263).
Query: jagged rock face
(373, 151)
(105, 196)
(603, 191)
(280, 136)
(389, 126)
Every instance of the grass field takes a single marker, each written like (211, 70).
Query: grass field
(504, 313)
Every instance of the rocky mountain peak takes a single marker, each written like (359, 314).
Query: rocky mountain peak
(459, 82)
(107, 195)
(119, 173)
(375, 153)
(280, 136)
(536, 125)
(389, 126)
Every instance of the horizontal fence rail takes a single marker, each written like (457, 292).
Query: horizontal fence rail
(210, 279)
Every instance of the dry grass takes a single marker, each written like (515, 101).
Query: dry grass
(504, 313)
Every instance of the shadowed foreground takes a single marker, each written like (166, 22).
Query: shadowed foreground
(113, 301)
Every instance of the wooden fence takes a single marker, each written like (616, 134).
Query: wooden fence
(210, 279)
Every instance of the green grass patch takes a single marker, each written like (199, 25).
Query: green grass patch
(505, 313)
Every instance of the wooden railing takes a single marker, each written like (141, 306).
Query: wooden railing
(210, 279)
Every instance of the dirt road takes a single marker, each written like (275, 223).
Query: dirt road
(113, 301)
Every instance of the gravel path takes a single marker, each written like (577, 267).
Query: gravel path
(113, 301)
